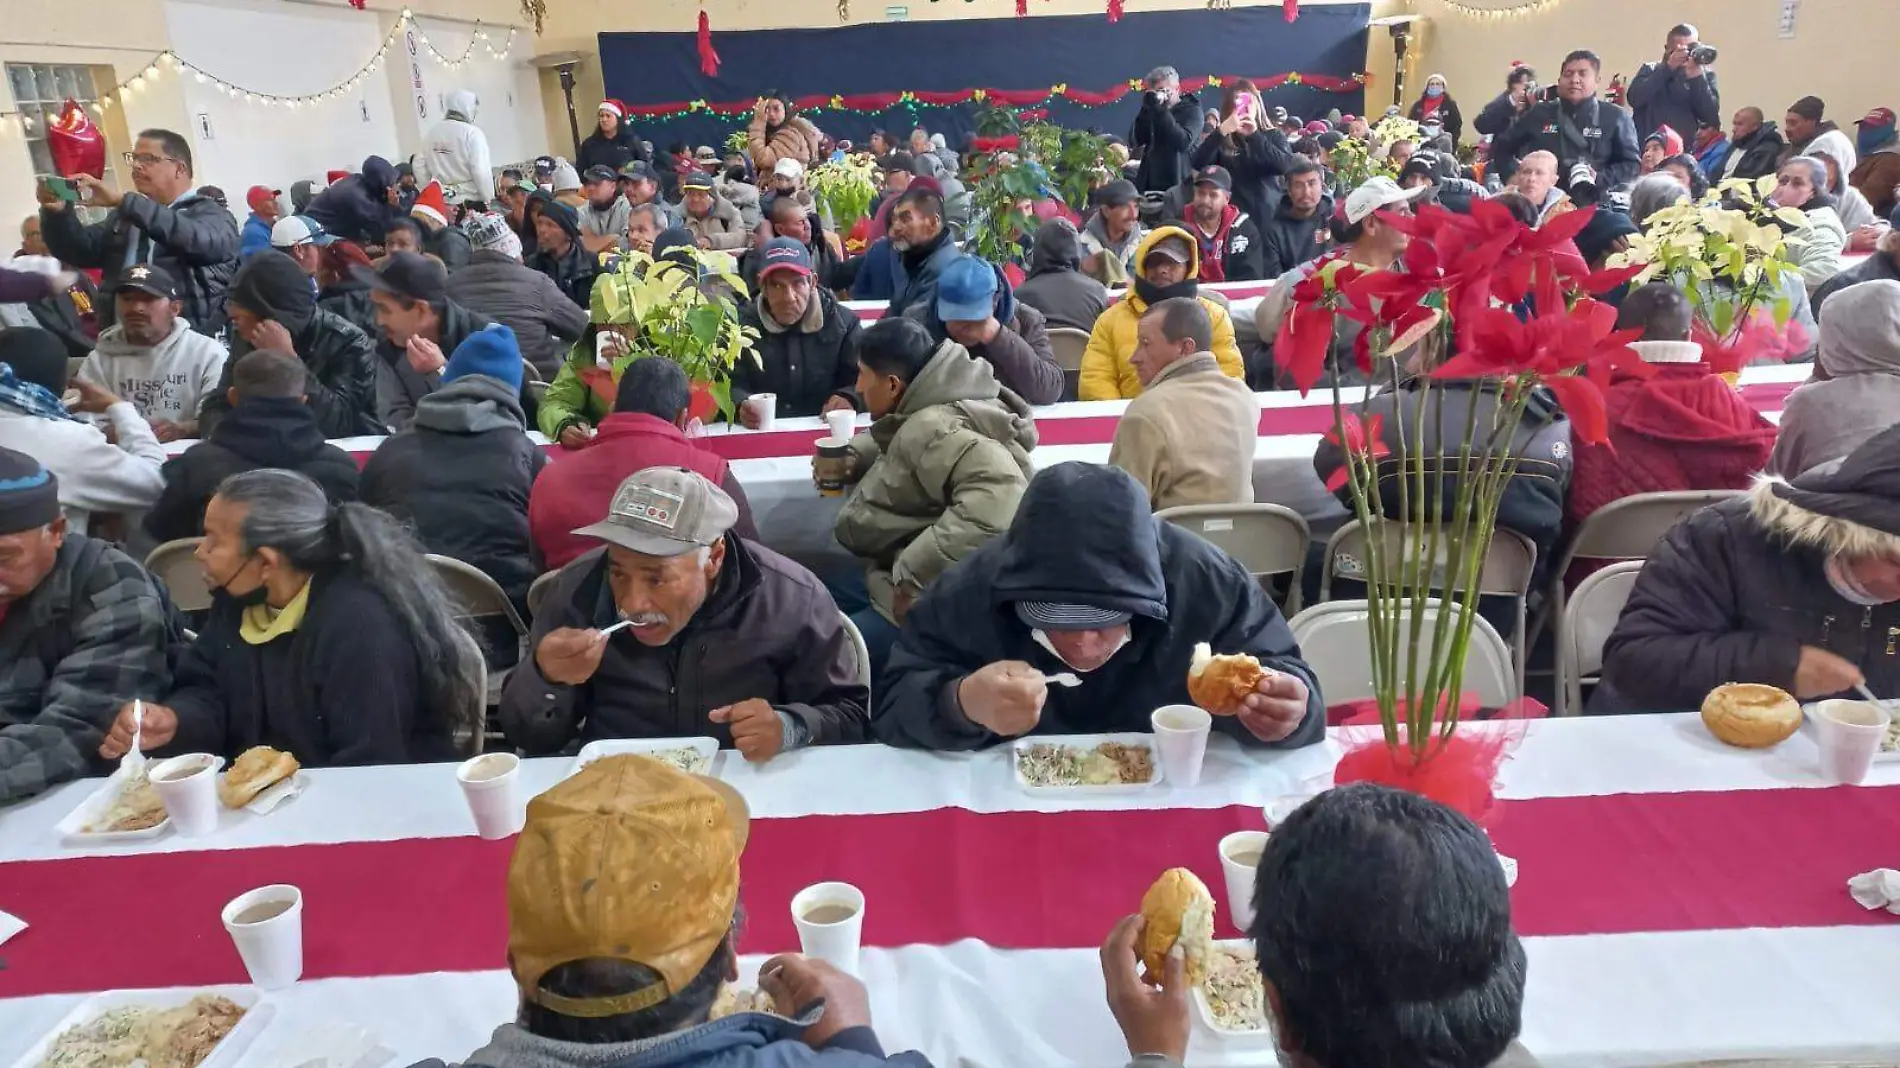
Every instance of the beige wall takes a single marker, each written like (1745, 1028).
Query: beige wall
(573, 25)
(1842, 50)
(118, 37)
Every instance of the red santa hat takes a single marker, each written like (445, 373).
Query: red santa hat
(610, 104)
(333, 177)
(432, 204)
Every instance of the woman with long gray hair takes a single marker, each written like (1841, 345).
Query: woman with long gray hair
(329, 637)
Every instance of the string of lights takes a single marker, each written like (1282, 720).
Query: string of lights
(1499, 14)
(169, 61)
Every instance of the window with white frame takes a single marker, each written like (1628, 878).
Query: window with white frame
(40, 91)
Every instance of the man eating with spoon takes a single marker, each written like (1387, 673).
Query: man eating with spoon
(1087, 582)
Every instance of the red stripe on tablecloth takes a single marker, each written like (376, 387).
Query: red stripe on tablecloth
(1598, 865)
(1312, 418)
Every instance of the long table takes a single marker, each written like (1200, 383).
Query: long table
(1679, 899)
(775, 467)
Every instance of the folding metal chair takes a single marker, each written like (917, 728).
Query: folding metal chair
(1268, 539)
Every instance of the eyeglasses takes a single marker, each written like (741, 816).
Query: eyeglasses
(144, 159)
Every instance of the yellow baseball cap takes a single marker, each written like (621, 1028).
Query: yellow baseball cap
(628, 860)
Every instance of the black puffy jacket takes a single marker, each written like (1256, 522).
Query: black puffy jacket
(342, 377)
(192, 238)
(261, 432)
(1163, 137)
(803, 367)
(616, 151)
(1083, 534)
(460, 476)
(357, 207)
(349, 299)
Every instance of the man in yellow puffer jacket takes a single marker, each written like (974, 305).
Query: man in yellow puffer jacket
(1167, 264)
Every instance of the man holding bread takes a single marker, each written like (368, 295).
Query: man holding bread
(1087, 582)
(1796, 585)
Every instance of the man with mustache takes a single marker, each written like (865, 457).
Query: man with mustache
(711, 634)
(152, 357)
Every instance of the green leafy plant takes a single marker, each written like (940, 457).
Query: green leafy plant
(738, 142)
(845, 188)
(1354, 164)
(1727, 251)
(686, 314)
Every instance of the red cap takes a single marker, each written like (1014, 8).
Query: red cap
(1877, 117)
(261, 194)
(333, 177)
(432, 203)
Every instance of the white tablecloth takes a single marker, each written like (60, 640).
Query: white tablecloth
(1631, 999)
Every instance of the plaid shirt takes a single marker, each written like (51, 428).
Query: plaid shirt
(71, 653)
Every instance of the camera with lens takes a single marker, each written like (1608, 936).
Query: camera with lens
(1702, 55)
(1549, 92)
(1583, 183)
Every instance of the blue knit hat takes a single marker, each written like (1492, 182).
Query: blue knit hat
(966, 290)
(491, 351)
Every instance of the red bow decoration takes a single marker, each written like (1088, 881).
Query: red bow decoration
(1757, 341)
(1114, 10)
(1007, 143)
(76, 145)
(1022, 8)
(1292, 8)
(1364, 441)
(708, 59)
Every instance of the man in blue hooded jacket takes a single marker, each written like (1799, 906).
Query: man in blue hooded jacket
(361, 206)
(1087, 581)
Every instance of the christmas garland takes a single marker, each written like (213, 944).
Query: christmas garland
(872, 103)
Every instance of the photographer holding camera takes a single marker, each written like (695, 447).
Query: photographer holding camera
(1594, 142)
(1680, 91)
(1165, 131)
(1520, 92)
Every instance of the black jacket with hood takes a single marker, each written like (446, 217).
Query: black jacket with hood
(349, 298)
(616, 151)
(1083, 534)
(398, 386)
(805, 364)
(1056, 286)
(261, 432)
(193, 238)
(1754, 156)
(1291, 241)
(1735, 591)
(341, 387)
(1163, 137)
(357, 207)
(460, 477)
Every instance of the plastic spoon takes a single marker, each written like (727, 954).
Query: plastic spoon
(134, 758)
(604, 631)
(1062, 678)
(1869, 695)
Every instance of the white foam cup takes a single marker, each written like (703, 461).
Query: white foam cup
(271, 946)
(188, 785)
(491, 783)
(1181, 736)
(766, 405)
(1240, 875)
(835, 941)
(842, 423)
(1849, 733)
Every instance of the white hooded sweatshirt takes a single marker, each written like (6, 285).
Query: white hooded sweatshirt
(94, 474)
(167, 381)
(455, 153)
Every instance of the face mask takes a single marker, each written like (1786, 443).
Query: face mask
(1841, 577)
(249, 598)
(1434, 91)
(1042, 639)
(1431, 132)
(1870, 138)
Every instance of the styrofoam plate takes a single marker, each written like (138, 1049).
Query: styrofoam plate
(1204, 1012)
(226, 1054)
(95, 806)
(708, 748)
(1085, 741)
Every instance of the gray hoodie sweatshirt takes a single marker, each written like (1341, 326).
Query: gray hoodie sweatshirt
(167, 381)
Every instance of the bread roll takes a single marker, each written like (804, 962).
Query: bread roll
(1177, 908)
(1750, 715)
(254, 772)
(1220, 683)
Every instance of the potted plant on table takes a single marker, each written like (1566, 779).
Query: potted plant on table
(683, 308)
(1512, 307)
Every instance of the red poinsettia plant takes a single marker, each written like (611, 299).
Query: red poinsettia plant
(1477, 297)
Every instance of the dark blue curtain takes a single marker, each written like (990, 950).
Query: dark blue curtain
(1084, 51)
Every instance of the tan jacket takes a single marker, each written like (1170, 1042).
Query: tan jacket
(796, 138)
(1190, 436)
(722, 229)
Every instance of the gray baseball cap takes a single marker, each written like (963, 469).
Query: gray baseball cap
(665, 511)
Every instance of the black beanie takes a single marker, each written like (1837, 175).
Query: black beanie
(271, 285)
(674, 238)
(36, 355)
(29, 494)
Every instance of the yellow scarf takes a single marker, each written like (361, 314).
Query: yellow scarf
(260, 625)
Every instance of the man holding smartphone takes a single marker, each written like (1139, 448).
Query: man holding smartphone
(164, 223)
(1595, 142)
